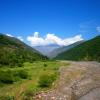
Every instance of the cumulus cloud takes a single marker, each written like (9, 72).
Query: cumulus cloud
(10, 35)
(73, 39)
(36, 40)
(54, 39)
(98, 28)
(20, 38)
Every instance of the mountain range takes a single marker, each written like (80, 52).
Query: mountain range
(14, 52)
(45, 50)
(81, 50)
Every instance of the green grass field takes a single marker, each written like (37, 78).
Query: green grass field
(26, 88)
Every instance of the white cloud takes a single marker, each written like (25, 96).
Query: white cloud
(36, 40)
(98, 28)
(73, 39)
(10, 35)
(54, 39)
(20, 38)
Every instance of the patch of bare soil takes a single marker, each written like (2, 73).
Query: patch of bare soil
(79, 81)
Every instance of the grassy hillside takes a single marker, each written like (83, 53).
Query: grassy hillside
(89, 50)
(13, 52)
(61, 49)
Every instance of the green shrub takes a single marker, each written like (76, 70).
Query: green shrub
(46, 80)
(6, 77)
(23, 74)
(10, 76)
(7, 98)
(45, 65)
(20, 64)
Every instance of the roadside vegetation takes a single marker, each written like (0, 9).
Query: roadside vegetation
(22, 83)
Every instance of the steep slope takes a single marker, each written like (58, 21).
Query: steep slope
(61, 49)
(89, 50)
(13, 52)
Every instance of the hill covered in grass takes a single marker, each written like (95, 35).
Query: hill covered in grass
(14, 52)
(61, 49)
(89, 50)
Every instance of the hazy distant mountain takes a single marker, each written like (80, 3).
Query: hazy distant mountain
(89, 50)
(14, 52)
(45, 50)
(61, 49)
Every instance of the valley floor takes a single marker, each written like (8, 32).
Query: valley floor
(79, 81)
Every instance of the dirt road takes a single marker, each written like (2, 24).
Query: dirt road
(78, 81)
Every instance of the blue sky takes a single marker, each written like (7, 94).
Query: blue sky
(64, 18)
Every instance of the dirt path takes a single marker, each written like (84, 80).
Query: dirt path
(79, 81)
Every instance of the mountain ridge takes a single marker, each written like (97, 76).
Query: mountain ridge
(14, 52)
(57, 51)
(89, 50)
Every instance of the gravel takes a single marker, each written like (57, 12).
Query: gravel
(79, 81)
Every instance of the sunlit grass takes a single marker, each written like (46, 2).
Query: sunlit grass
(35, 70)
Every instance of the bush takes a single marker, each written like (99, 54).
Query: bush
(22, 74)
(10, 76)
(7, 98)
(6, 77)
(46, 80)
(20, 64)
(45, 65)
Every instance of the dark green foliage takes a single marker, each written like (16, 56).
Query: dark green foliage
(45, 65)
(7, 98)
(46, 80)
(89, 50)
(6, 77)
(10, 76)
(13, 52)
(23, 74)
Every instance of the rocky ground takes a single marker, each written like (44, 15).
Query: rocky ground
(78, 81)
